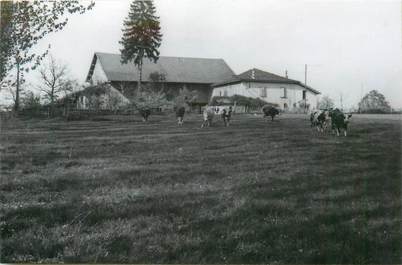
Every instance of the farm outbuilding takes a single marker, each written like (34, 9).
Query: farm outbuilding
(290, 95)
(169, 73)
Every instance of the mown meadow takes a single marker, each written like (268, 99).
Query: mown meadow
(117, 190)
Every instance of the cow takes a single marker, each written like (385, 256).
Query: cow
(320, 120)
(144, 112)
(180, 115)
(226, 115)
(314, 119)
(339, 121)
(270, 111)
(208, 115)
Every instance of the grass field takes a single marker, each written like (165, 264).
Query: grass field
(121, 190)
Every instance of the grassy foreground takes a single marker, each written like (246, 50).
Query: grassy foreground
(257, 192)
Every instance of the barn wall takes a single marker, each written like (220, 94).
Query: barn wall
(110, 99)
(204, 91)
(274, 93)
(98, 75)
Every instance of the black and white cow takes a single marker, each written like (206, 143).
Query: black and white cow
(339, 121)
(270, 111)
(226, 116)
(180, 111)
(320, 120)
(314, 118)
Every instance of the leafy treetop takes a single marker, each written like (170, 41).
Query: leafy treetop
(141, 33)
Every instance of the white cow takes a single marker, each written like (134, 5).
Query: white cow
(208, 115)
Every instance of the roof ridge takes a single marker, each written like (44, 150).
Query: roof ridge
(164, 56)
(178, 69)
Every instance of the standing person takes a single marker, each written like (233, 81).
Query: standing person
(224, 117)
(229, 115)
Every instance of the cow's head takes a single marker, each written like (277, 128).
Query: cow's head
(347, 118)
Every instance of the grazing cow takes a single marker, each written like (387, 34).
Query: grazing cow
(208, 116)
(144, 112)
(226, 115)
(323, 119)
(180, 115)
(320, 120)
(339, 121)
(314, 119)
(270, 111)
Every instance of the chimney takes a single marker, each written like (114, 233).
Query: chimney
(286, 73)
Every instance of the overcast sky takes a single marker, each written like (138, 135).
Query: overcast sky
(350, 47)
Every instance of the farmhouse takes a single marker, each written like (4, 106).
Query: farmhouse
(289, 95)
(169, 73)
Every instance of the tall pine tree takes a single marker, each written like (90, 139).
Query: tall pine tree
(141, 35)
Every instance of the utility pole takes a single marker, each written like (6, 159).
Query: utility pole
(341, 100)
(305, 87)
(361, 97)
(305, 75)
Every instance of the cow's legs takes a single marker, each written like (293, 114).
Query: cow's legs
(345, 133)
(337, 132)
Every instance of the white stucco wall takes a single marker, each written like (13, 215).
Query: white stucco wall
(274, 93)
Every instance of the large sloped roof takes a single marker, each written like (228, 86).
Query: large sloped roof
(259, 76)
(175, 69)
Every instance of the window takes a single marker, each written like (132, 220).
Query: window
(304, 94)
(225, 93)
(263, 92)
(220, 93)
(284, 92)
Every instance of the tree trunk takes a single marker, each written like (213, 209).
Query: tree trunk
(17, 90)
(140, 79)
(52, 102)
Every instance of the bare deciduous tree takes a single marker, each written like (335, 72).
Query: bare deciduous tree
(374, 102)
(22, 25)
(55, 81)
(326, 103)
